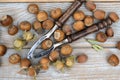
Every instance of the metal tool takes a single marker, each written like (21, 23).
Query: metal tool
(58, 24)
(77, 35)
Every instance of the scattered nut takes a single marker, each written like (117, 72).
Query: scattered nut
(54, 55)
(14, 58)
(66, 50)
(101, 37)
(114, 16)
(12, 30)
(25, 26)
(113, 60)
(69, 61)
(56, 13)
(37, 26)
(46, 44)
(25, 63)
(78, 25)
(3, 50)
(59, 35)
(27, 35)
(67, 30)
(118, 45)
(59, 65)
(99, 14)
(90, 5)
(48, 24)
(6, 20)
(82, 58)
(88, 21)
(109, 32)
(33, 8)
(42, 16)
(79, 15)
(32, 71)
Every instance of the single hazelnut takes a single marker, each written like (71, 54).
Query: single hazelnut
(46, 44)
(56, 13)
(14, 58)
(37, 26)
(82, 58)
(113, 60)
(33, 8)
(109, 32)
(88, 21)
(42, 16)
(25, 63)
(78, 25)
(118, 45)
(6, 20)
(69, 61)
(59, 65)
(99, 14)
(113, 16)
(27, 35)
(67, 30)
(32, 71)
(3, 50)
(47, 24)
(66, 50)
(90, 5)
(79, 15)
(13, 30)
(25, 26)
(101, 37)
(54, 55)
(59, 35)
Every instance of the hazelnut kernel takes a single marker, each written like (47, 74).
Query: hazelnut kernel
(88, 21)
(37, 25)
(56, 13)
(12, 30)
(46, 44)
(25, 26)
(79, 15)
(14, 58)
(47, 24)
(32, 71)
(25, 63)
(53, 56)
(67, 30)
(78, 25)
(33, 8)
(42, 16)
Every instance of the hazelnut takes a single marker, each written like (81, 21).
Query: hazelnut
(47, 24)
(54, 55)
(118, 45)
(3, 50)
(113, 16)
(46, 44)
(12, 30)
(113, 60)
(90, 5)
(14, 58)
(42, 16)
(66, 50)
(37, 26)
(69, 61)
(6, 20)
(56, 13)
(59, 35)
(82, 58)
(99, 14)
(59, 65)
(33, 8)
(67, 30)
(101, 37)
(28, 36)
(25, 26)
(25, 63)
(32, 71)
(109, 32)
(88, 21)
(79, 15)
(78, 25)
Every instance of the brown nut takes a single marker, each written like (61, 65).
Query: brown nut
(88, 21)
(101, 37)
(56, 13)
(82, 58)
(12, 30)
(25, 26)
(32, 71)
(33, 8)
(42, 16)
(67, 30)
(14, 58)
(46, 44)
(59, 35)
(118, 45)
(113, 60)
(113, 16)
(109, 32)
(25, 63)
(54, 55)
(3, 50)
(79, 15)
(6, 20)
(37, 25)
(90, 5)
(47, 24)
(99, 14)
(66, 50)
(78, 25)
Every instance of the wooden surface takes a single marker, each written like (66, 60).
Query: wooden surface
(96, 67)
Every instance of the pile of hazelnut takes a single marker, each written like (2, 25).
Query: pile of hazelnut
(62, 57)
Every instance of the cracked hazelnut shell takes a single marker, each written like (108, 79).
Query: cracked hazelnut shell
(78, 25)
(46, 44)
(37, 25)
(56, 13)
(25, 63)
(32, 71)
(3, 50)
(101, 37)
(47, 24)
(67, 30)
(42, 16)
(54, 55)
(79, 15)
(113, 60)
(14, 58)
(25, 26)
(33, 8)
(13, 30)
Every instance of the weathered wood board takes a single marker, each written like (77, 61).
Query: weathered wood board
(96, 67)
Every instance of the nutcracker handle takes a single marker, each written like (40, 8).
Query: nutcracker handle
(69, 12)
